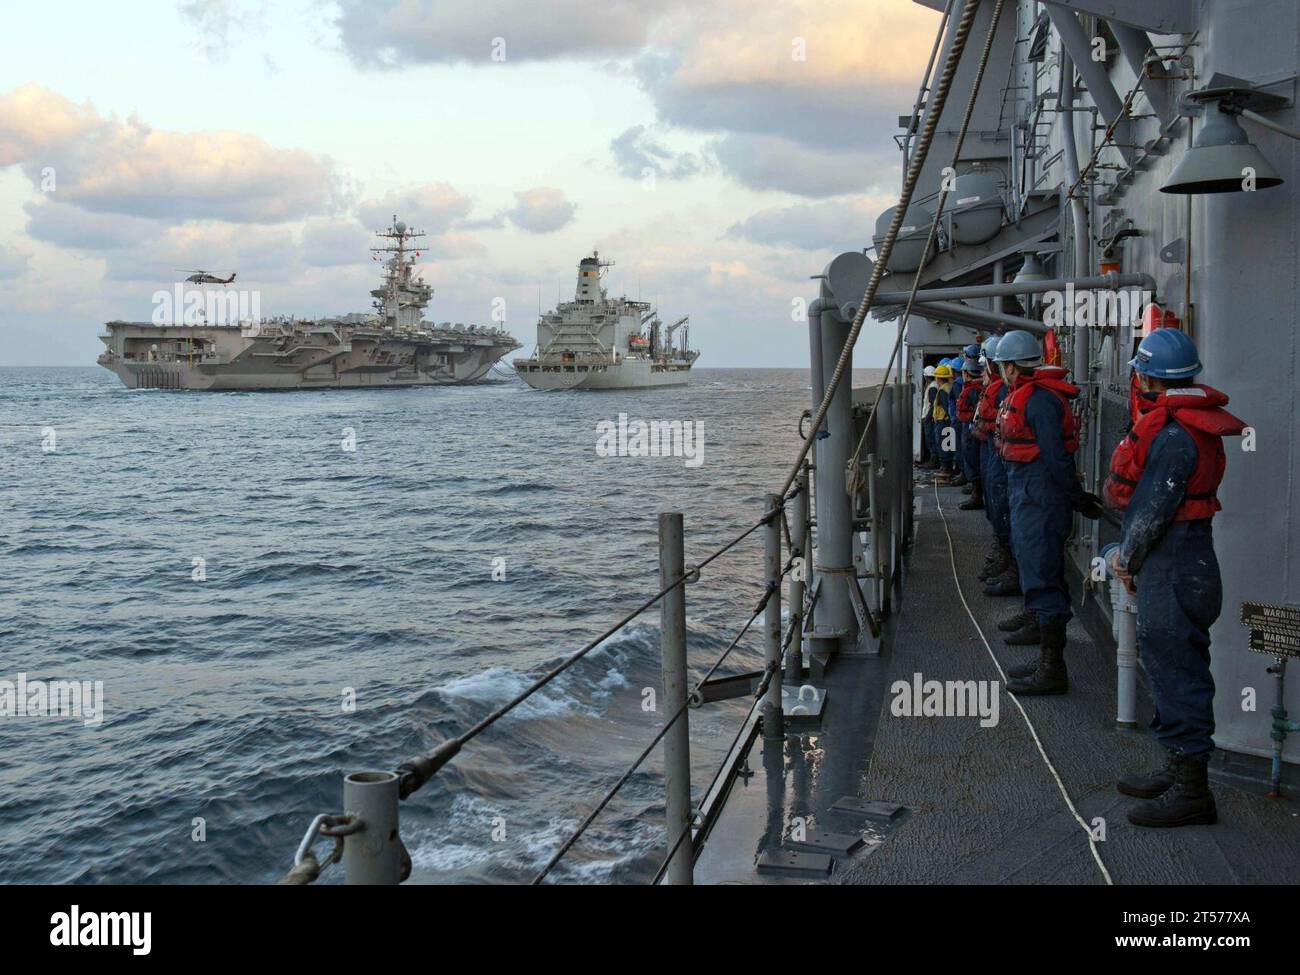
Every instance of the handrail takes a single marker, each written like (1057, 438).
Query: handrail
(692, 700)
(414, 773)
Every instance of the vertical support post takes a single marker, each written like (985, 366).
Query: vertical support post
(834, 510)
(1278, 670)
(908, 497)
(894, 452)
(773, 720)
(792, 667)
(677, 742)
(877, 517)
(373, 855)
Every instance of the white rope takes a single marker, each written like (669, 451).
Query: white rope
(1065, 794)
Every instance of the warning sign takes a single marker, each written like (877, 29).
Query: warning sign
(1274, 630)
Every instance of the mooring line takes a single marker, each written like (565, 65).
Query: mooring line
(1033, 733)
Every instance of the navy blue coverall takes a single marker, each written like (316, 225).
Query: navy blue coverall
(1042, 494)
(993, 471)
(943, 397)
(1179, 595)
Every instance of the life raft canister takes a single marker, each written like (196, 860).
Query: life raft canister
(986, 411)
(1015, 436)
(1198, 410)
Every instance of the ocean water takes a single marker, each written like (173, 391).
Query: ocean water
(365, 576)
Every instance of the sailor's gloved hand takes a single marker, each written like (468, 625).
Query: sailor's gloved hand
(1089, 505)
(1122, 573)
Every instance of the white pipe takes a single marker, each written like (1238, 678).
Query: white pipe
(1124, 610)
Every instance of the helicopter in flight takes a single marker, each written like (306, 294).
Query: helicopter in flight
(203, 277)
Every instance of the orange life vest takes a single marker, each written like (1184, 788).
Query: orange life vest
(1198, 410)
(1015, 437)
(986, 412)
(969, 399)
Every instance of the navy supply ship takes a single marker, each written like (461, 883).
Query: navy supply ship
(393, 347)
(598, 342)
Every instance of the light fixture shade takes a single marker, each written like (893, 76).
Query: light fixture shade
(1220, 160)
(1031, 270)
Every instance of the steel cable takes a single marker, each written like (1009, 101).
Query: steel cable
(414, 773)
(854, 478)
(935, 110)
(691, 698)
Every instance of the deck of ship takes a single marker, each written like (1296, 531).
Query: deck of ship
(980, 805)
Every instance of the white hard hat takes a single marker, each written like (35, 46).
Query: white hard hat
(929, 370)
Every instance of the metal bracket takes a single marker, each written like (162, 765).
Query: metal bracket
(1174, 252)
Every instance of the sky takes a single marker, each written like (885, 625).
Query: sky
(720, 152)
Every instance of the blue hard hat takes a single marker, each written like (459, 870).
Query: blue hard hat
(957, 363)
(971, 351)
(974, 366)
(1018, 346)
(1167, 354)
(990, 346)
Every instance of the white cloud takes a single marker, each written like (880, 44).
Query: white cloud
(828, 76)
(541, 210)
(773, 162)
(637, 152)
(332, 243)
(13, 261)
(433, 207)
(111, 166)
(836, 225)
(388, 33)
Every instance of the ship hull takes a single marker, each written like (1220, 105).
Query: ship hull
(156, 357)
(626, 374)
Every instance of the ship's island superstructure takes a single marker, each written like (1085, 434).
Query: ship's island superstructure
(395, 346)
(598, 342)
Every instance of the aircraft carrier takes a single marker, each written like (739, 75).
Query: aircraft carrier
(598, 342)
(214, 347)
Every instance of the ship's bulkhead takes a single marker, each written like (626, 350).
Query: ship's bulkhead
(1221, 266)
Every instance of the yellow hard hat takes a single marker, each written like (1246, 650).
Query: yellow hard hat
(943, 372)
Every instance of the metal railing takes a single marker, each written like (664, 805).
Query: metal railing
(675, 576)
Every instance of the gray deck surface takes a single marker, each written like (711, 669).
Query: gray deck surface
(982, 804)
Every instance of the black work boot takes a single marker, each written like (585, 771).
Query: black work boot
(1029, 635)
(1027, 669)
(1188, 802)
(1013, 623)
(996, 562)
(1051, 676)
(1006, 584)
(1148, 785)
(975, 502)
(968, 487)
(959, 480)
